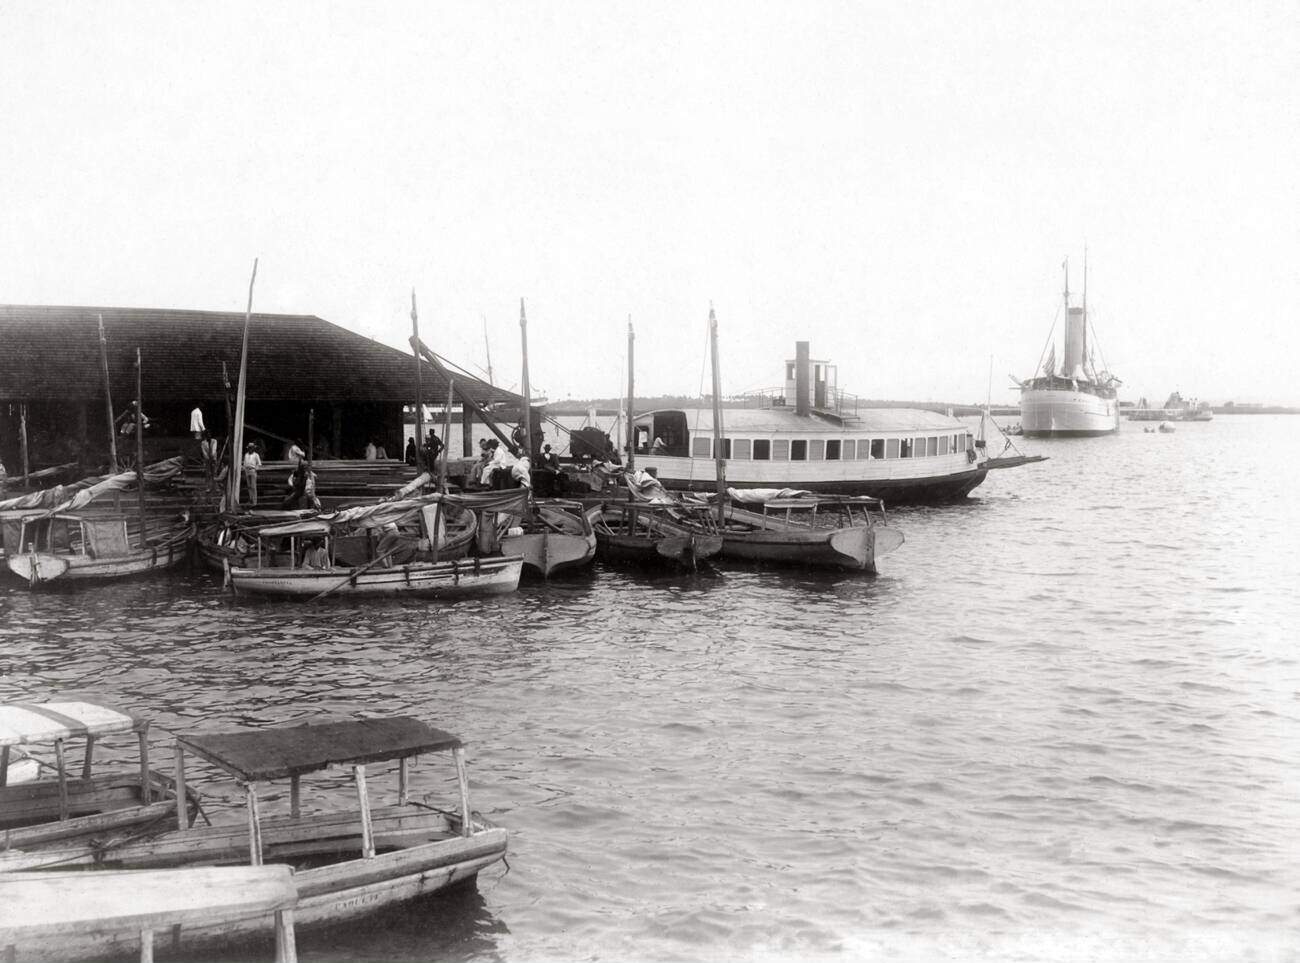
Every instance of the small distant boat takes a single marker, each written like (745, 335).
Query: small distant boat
(419, 546)
(650, 534)
(79, 540)
(72, 803)
(1166, 427)
(346, 863)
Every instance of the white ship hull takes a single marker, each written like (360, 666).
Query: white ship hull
(1064, 412)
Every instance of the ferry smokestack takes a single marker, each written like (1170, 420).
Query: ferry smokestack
(802, 378)
(1073, 366)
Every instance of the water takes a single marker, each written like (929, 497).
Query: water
(1063, 723)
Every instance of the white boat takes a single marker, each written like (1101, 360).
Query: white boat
(813, 437)
(1176, 408)
(346, 863)
(59, 917)
(74, 802)
(81, 539)
(410, 547)
(1075, 400)
(554, 536)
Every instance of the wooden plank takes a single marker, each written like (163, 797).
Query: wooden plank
(363, 800)
(254, 828)
(63, 779)
(462, 778)
(182, 815)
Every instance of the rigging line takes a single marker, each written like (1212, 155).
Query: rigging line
(1051, 331)
(1096, 342)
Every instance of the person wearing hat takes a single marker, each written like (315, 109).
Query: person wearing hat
(252, 462)
(549, 459)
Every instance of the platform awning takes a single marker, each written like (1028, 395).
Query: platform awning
(27, 723)
(277, 753)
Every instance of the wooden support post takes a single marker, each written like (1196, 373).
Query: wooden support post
(462, 777)
(139, 445)
(311, 434)
(90, 752)
(4, 765)
(182, 804)
(403, 781)
(254, 827)
(295, 798)
(22, 440)
(363, 798)
(63, 779)
(419, 395)
(286, 948)
(146, 792)
(466, 433)
(108, 398)
(146, 946)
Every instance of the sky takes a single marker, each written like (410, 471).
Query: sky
(896, 183)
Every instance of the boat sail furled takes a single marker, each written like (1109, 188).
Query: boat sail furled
(1075, 399)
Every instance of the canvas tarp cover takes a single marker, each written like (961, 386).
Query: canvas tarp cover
(277, 753)
(24, 723)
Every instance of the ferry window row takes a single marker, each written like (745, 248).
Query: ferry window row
(831, 449)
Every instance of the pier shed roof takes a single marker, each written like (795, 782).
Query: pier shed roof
(52, 352)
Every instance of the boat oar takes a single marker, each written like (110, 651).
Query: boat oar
(351, 575)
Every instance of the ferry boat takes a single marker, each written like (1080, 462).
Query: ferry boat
(812, 437)
(1075, 400)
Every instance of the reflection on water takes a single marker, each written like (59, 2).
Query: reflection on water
(1064, 708)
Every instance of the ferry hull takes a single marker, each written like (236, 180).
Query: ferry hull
(1047, 413)
(910, 490)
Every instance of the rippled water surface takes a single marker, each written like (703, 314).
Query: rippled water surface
(1061, 723)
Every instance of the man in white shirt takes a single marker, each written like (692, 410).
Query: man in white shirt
(252, 462)
(197, 428)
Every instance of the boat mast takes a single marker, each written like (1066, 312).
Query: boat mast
(237, 451)
(719, 462)
(524, 387)
(139, 442)
(487, 345)
(631, 396)
(108, 398)
(1086, 365)
(419, 399)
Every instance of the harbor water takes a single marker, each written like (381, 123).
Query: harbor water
(1062, 723)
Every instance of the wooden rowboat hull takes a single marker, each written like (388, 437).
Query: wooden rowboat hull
(41, 568)
(458, 577)
(683, 550)
(102, 805)
(328, 894)
(551, 553)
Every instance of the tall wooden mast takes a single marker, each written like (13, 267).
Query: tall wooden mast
(720, 463)
(237, 449)
(419, 400)
(631, 395)
(139, 442)
(524, 387)
(108, 398)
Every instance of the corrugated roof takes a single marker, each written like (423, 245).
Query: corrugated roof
(49, 352)
(770, 420)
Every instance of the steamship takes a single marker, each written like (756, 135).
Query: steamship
(1076, 399)
(811, 436)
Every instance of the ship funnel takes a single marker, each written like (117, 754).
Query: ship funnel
(1073, 361)
(802, 379)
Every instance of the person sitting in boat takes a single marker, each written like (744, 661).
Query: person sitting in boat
(293, 452)
(658, 448)
(316, 556)
(126, 420)
(371, 452)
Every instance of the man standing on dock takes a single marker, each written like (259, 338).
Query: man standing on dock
(197, 428)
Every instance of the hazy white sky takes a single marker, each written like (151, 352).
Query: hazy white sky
(897, 183)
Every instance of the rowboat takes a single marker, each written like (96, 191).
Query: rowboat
(419, 546)
(553, 535)
(822, 532)
(80, 540)
(37, 811)
(88, 916)
(653, 534)
(346, 862)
